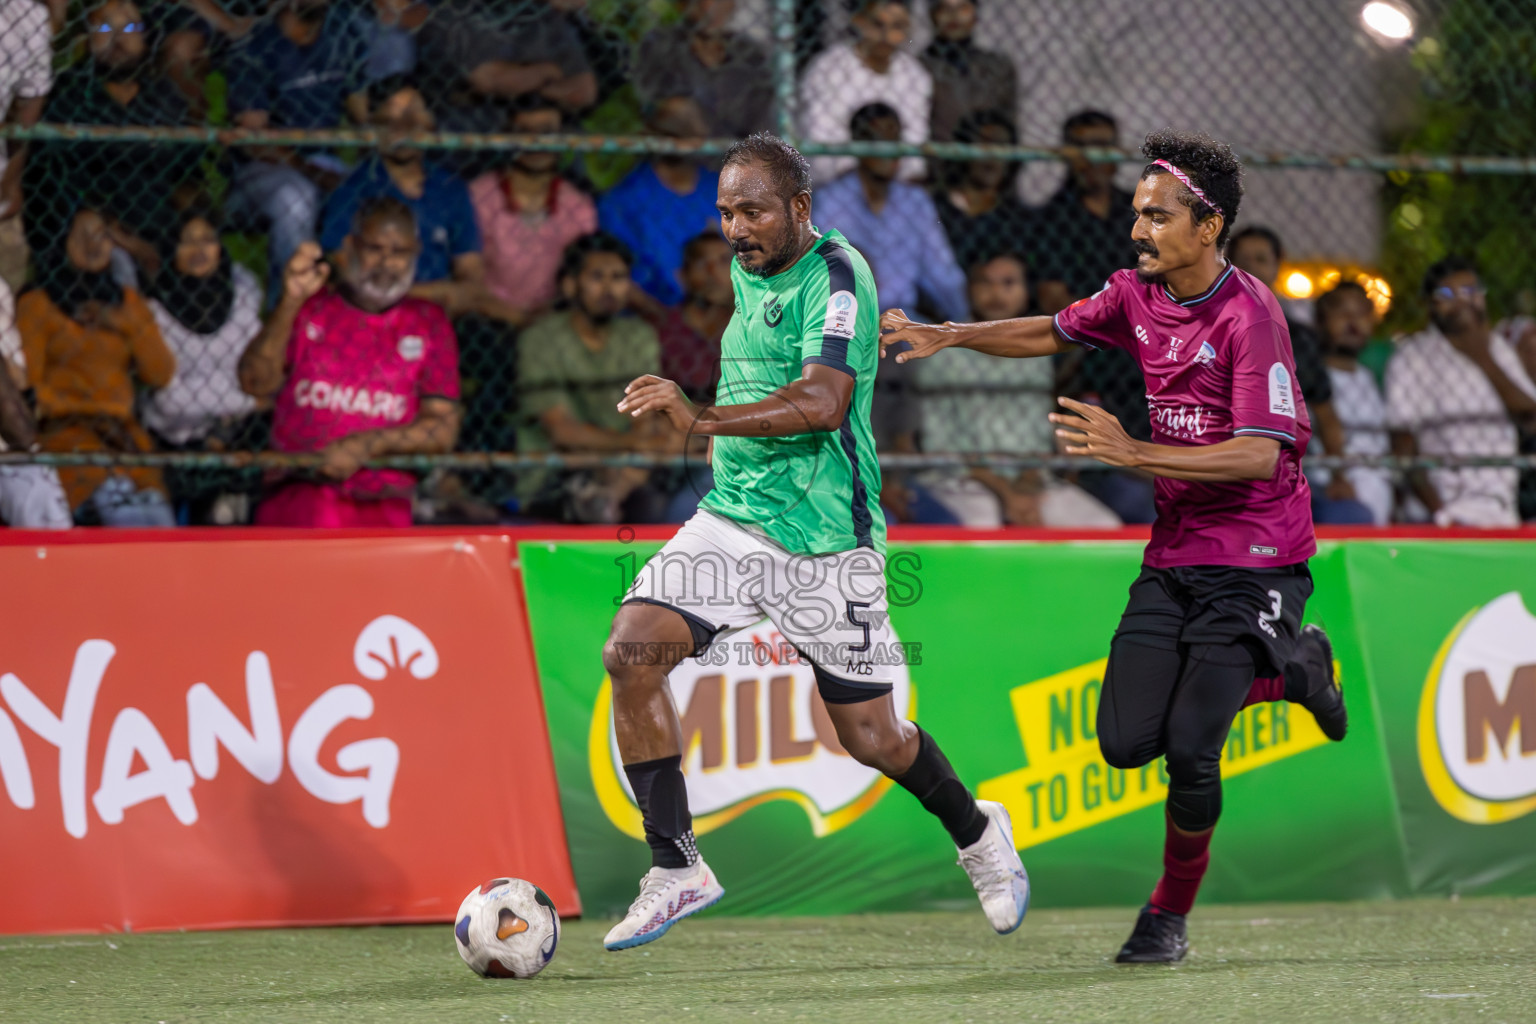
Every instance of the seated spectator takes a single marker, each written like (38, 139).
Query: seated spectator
(1460, 387)
(871, 69)
(528, 214)
(1083, 233)
(660, 205)
(26, 75)
(185, 33)
(728, 75)
(690, 332)
(359, 371)
(573, 368)
(1257, 251)
(87, 341)
(296, 71)
(981, 211)
(130, 183)
(208, 309)
(449, 270)
(605, 43)
(478, 55)
(966, 78)
(31, 497)
(975, 405)
(1345, 320)
(387, 30)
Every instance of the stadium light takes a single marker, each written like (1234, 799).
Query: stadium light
(1388, 22)
(1297, 285)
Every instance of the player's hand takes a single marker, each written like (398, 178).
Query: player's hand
(340, 459)
(305, 274)
(924, 339)
(1094, 432)
(657, 394)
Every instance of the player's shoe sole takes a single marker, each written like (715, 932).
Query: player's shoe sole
(1158, 938)
(670, 908)
(1324, 697)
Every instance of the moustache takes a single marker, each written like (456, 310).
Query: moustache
(744, 246)
(1144, 248)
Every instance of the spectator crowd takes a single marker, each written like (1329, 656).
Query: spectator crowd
(354, 303)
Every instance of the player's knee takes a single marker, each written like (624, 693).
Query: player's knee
(881, 749)
(1123, 751)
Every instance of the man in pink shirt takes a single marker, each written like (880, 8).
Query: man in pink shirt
(358, 371)
(1214, 618)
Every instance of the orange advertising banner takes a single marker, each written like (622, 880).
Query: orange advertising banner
(268, 732)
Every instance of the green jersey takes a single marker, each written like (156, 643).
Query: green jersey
(817, 492)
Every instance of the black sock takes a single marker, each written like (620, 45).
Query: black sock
(663, 798)
(933, 781)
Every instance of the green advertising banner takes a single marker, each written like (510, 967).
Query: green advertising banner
(1435, 648)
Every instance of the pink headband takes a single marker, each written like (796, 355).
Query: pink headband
(1165, 165)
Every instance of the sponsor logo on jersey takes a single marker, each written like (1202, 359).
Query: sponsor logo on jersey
(1173, 348)
(1185, 421)
(842, 314)
(754, 730)
(1262, 549)
(1065, 785)
(1477, 715)
(411, 347)
(1141, 334)
(322, 394)
(773, 311)
(1281, 401)
(1207, 354)
(313, 331)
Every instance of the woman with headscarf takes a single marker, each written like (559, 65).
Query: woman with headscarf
(208, 309)
(86, 339)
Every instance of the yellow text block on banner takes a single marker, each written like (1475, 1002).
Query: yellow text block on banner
(1065, 786)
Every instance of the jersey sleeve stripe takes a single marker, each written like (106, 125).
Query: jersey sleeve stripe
(1266, 432)
(839, 279)
(838, 365)
(1061, 332)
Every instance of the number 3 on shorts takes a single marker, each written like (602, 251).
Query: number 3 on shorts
(1273, 615)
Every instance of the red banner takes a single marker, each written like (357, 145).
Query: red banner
(215, 734)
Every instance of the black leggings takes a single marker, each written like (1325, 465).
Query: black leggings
(1163, 697)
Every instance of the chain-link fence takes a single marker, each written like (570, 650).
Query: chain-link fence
(211, 210)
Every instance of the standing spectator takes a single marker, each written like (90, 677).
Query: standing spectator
(975, 405)
(1257, 251)
(26, 75)
(873, 68)
(294, 72)
(895, 223)
(1345, 320)
(132, 183)
(31, 497)
(966, 78)
(527, 215)
(1083, 233)
(981, 212)
(660, 205)
(728, 75)
(87, 340)
(208, 309)
(449, 270)
(478, 55)
(574, 366)
(357, 372)
(1460, 387)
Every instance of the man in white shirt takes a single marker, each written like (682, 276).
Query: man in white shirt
(1345, 320)
(26, 75)
(1461, 387)
(873, 68)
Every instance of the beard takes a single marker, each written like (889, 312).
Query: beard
(116, 67)
(377, 290)
(775, 259)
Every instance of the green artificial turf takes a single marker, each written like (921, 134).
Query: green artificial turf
(1397, 962)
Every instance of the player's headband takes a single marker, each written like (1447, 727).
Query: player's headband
(1188, 183)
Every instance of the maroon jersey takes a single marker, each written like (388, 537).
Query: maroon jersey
(1218, 365)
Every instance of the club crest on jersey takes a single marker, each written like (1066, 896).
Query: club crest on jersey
(773, 310)
(1207, 354)
(842, 314)
(1173, 348)
(1281, 400)
(411, 347)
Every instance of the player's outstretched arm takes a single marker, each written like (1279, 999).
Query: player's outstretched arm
(815, 403)
(1021, 338)
(1097, 433)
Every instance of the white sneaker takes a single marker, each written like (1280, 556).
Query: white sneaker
(667, 895)
(996, 870)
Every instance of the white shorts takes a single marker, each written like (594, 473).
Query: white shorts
(720, 577)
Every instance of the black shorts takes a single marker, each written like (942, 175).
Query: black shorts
(1260, 609)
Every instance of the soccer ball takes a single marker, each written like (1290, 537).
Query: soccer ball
(507, 928)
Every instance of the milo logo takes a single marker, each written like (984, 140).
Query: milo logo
(1477, 715)
(754, 730)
